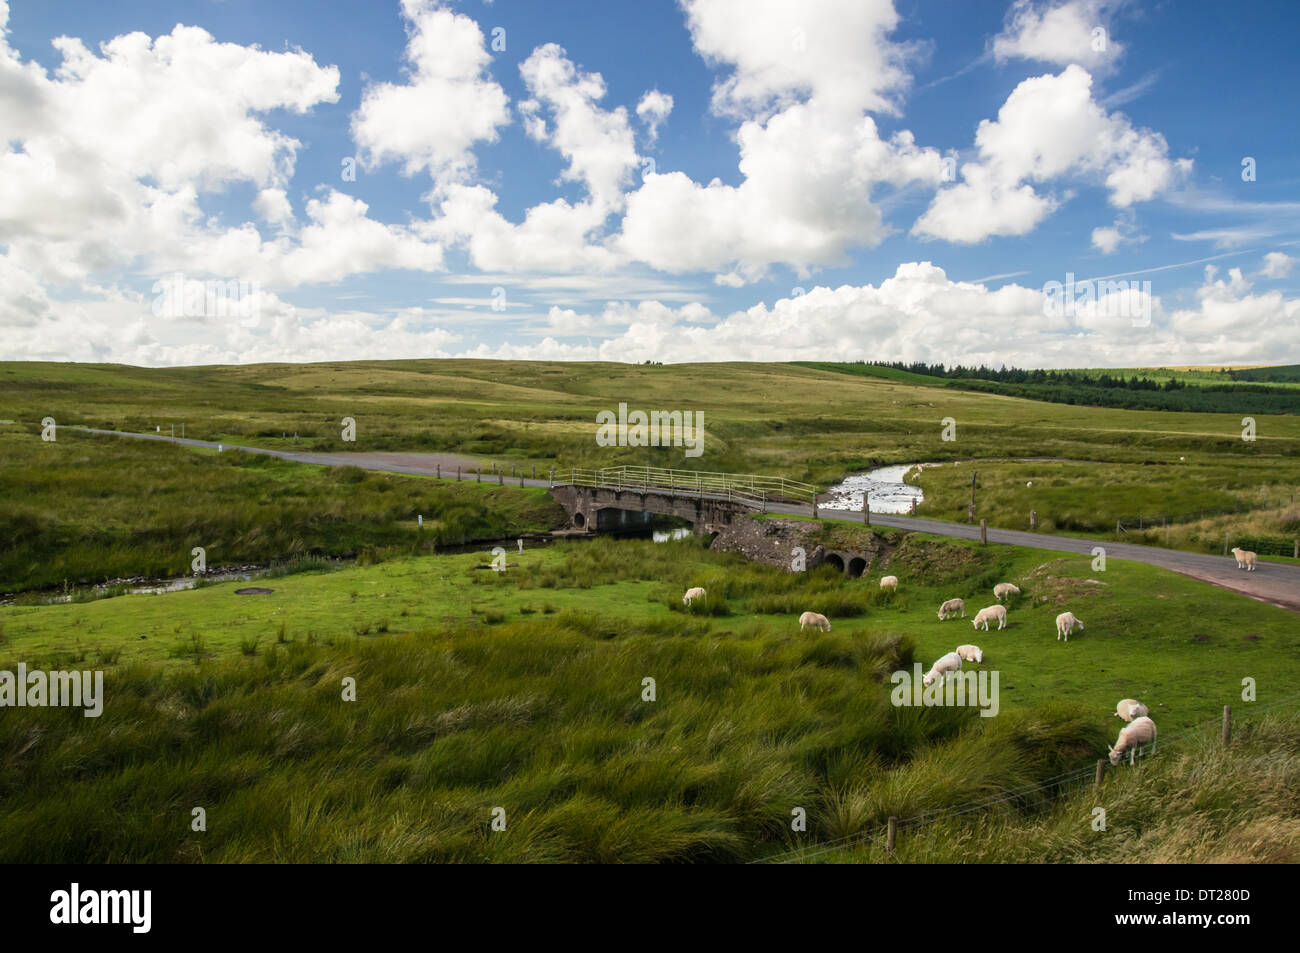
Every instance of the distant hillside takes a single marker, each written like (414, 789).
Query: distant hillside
(1264, 390)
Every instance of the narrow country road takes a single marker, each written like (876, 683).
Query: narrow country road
(1275, 583)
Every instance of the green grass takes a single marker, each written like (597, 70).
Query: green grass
(469, 698)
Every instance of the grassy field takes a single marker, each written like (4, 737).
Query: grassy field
(103, 509)
(88, 509)
(523, 690)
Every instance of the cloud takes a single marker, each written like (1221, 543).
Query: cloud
(1061, 33)
(1049, 128)
(652, 110)
(1108, 239)
(448, 104)
(1277, 265)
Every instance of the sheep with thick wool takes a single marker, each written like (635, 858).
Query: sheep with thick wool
(971, 653)
(1066, 623)
(1138, 732)
(814, 619)
(1130, 708)
(1245, 559)
(951, 608)
(1005, 590)
(985, 616)
(889, 582)
(692, 595)
(943, 667)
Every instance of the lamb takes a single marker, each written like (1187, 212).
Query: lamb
(692, 595)
(949, 663)
(971, 653)
(986, 616)
(1132, 736)
(816, 620)
(1065, 624)
(952, 607)
(889, 582)
(1005, 589)
(1130, 708)
(1245, 559)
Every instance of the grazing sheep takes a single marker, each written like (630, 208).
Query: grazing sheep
(952, 607)
(949, 663)
(1007, 589)
(1130, 708)
(1065, 624)
(1245, 559)
(889, 582)
(816, 620)
(986, 616)
(971, 653)
(692, 595)
(1132, 736)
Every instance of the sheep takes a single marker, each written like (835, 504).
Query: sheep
(816, 620)
(971, 653)
(1132, 736)
(692, 595)
(949, 663)
(1007, 589)
(1065, 624)
(1130, 708)
(1245, 559)
(986, 616)
(889, 582)
(952, 607)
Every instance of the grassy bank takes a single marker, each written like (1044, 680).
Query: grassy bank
(524, 690)
(87, 509)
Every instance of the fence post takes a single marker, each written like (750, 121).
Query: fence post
(1227, 724)
(1296, 553)
(866, 508)
(891, 838)
(458, 474)
(575, 476)
(534, 471)
(1225, 542)
(478, 474)
(1033, 521)
(984, 531)
(1101, 770)
(440, 471)
(1119, 527)
(552, 477)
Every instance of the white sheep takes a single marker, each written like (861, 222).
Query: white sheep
(1065, 624)
(1007, 589)
(986, 616)
(1132, 736)
(1245, 559)
(1130, 708)
(816, 620)
(952, 607)
(949, 663)
(889, 582)
(971, 653)
(692, 595)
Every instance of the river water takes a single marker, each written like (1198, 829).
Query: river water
(887, 489)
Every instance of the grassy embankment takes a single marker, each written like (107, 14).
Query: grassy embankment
(523, 690)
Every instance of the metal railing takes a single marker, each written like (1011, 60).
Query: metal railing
(743, 488)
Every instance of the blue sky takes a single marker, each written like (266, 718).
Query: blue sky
(914, 175)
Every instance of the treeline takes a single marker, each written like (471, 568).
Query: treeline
(1105, 390)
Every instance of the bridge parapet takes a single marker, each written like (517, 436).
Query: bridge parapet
(745, 489)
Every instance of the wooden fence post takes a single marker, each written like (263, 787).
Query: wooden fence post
(984, 531)
(866, 508)
(1225, 542)
(534, 471)
(1101, 770)
(478, 474)
(440, 471)
(552, 477)
(501, 477)
(1296, 553)
(891, 838)
(1227, 724)
(1033, 521)
(458, 474)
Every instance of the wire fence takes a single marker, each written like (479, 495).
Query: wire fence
(926, 818)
